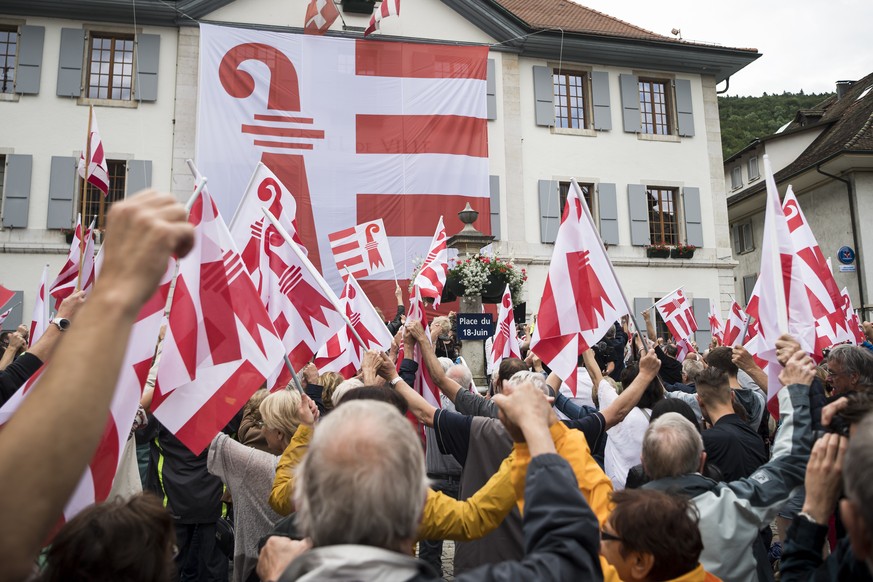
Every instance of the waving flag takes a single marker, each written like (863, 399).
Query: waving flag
(342, 353)
(96, 482)
(716, 325)
(424, 384)
(734, 326)
(68, 280)
(220, 345)
(6, 313)
(677, 313)
(5, 295)
(363, 249)
(853, 322)
(683, 348)
(505, 344)
(432, 277)
(40, 321)
(320, 15)
(582, 297)
(822, 292)
(98, 171)
(386, 9)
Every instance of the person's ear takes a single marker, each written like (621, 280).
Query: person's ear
(641, 564)
(859, 536)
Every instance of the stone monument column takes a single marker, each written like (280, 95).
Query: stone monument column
(468, 242)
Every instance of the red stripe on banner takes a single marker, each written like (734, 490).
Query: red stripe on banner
(283, 131)
(344, 248)
(396, 210)
(104, 463)
(422, 134)
(341, 234)
(223, 404)
(354, 260)
(280, 144)
(283, 119)
(420, 61)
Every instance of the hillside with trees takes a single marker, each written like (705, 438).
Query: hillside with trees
(746, 118)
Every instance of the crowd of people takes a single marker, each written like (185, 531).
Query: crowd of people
(653, 469)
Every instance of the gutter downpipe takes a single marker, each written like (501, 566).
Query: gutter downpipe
(851, 191)
(726, 87)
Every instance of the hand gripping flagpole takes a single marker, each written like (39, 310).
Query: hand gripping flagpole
(608, 262)
(306, 263)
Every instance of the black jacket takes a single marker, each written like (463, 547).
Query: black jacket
(801, 556)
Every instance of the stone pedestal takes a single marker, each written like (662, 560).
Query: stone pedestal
(473, 351)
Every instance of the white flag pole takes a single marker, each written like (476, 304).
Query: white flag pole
(242, 198)
(328, 292)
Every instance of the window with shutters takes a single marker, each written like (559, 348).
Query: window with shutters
(564, 191)
(110, 66)
(2, 174)
(661, 329)
(754, 174)
(8, 56)
(571, 89)
(743, 239)
(736, 178)
(97, 205)
(663, 219)
(656, 102)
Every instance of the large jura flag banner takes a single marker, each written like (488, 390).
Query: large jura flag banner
(357, 130)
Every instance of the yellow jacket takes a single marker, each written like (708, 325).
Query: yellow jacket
(698, 574)
(282, 495)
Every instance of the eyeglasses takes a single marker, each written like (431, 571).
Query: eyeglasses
(609, 537)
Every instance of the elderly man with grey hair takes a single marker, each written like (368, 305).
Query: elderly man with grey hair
(731, 514)
(850, 369)
(362, 487)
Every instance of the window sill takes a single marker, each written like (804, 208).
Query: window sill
(132, 104)
(10, 97)
(572, 131)
(755, 179)
(657, 137)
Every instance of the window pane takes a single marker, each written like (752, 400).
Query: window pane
(569, 97)
(663, 227)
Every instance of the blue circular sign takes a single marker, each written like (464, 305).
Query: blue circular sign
(846, 255)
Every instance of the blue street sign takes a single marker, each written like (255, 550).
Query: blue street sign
(846, 255)
(475, 326)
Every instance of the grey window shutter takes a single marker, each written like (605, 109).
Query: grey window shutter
(139, 176)
(30, 41)
(600, 98)
(640, 305)
(638, 202)
(491, 90)
(62, 185)
(148, 54)
(70, 65)
(607, 206)
(630, 102)
(494, 183)
(684, 113)
(735, 232)
(16, 191)
(544, 94)
(15, 317)
(693, 216)
(703, 335)
(749, 285)
(550, 213)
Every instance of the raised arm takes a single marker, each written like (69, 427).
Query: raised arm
(745, 362)
(64, 417)
(16, 342)
(630, 396)
(448, 386)
(418, 406)
(650, 327)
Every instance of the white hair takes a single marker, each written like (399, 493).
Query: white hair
(671, 447)
(345, 386)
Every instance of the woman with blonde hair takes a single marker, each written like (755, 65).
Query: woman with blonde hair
(249, 473)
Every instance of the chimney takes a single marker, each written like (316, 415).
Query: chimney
(843, 88)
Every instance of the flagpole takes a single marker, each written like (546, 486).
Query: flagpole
(742, 338)
(609, 262)
(84, 211)
(324, 288)
(348, 321)
(294, 375)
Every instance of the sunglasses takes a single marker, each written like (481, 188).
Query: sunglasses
(609, 537)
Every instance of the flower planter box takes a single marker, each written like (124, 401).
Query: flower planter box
(681, 254)
(658, 253)
(492, 293)
(69, 236)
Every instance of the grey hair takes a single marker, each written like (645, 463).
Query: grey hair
(363, 480)
(446, 363)
(534, 378)
(855, 360)
(343, 387)
(858, 469)
(691, 369)
(461, 374)
(671, 447)
(281, 410)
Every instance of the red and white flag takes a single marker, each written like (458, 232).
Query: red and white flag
(342, 353)
(822, 293)
(40, 321)
(220, 345)
(734, 326)
(677, 313)
(5, 295)
(98, 171)
(582, 298)
(68, 280)
(424, 384)
(386, 9)
(716, 325)
(320, 15)
(432, 277)
(96, 482)
(363, 249)
(6, 314)
(683, 348)
(853, 322)
(505, 344)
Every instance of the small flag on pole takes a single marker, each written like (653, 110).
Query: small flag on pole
(98, 171)
(363, 249)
